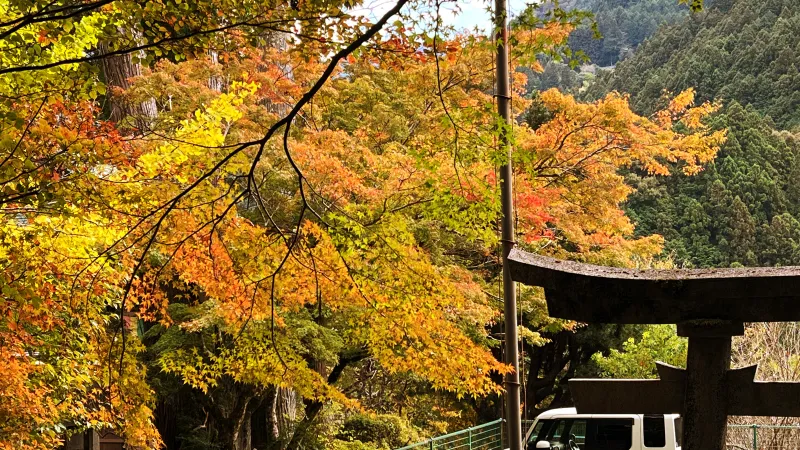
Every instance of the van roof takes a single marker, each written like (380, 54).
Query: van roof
(551, 413)
(557, 412)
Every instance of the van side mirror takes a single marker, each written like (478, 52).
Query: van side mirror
(543, 444)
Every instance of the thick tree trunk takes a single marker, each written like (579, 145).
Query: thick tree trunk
(165, 420)
(280, 42)
(260, 423)
(243, 436)
(235, 430)
(118, 71)
(215, 82)
(272, 423)
(312, 408)
(231, 409)
(284, 413)
(232, 431)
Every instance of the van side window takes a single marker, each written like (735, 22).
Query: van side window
(555, 435)
(678, 431)
(609, 434)
(538, 430)
(564, 434)
(654, 433)
(577, 433)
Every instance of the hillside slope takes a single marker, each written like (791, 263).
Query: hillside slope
(624, 24)
(744, 209)
(742, 50)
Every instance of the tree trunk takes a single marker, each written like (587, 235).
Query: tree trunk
(312, 408)
(272, 423)
(261, 422)
(215, 81)
(118, 71)
(284, 413)
(243, 437)
(231, 409)
(232, 431)
(279, 41)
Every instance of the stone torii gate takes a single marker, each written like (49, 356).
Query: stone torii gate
(708, 305)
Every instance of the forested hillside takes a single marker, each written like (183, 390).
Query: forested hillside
(747, 51)
(623, 25)
(743, 209)
(615, 31)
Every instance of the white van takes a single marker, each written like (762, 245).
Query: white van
(565, 429)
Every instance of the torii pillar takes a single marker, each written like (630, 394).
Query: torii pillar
(709, 306)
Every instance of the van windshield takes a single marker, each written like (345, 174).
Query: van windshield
(537, 429)
(583, 434)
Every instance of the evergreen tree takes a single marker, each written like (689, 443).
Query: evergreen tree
(623, 25)
(733, 50)
(742, 210)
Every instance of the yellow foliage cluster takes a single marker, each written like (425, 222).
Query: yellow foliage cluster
(355, 234)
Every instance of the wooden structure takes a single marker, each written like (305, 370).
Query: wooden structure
(709, 306)
(93, 440)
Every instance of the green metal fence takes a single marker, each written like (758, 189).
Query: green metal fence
(748, 437)
(526, 425)
(488, 436)
(763, 437)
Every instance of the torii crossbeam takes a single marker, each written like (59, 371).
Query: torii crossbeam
(709, 306)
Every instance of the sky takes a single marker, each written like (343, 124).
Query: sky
(461, 14)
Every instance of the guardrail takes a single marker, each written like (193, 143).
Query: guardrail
(763, 437)
(488, 436)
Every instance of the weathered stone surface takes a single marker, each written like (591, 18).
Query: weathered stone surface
(710, 328)
(709, 306)
(598, 294)
(747, 397)
(598, 396)
(705, 404)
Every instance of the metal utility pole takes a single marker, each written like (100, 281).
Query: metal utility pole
(511, 382)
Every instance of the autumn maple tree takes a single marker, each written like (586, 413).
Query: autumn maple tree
(277, 208)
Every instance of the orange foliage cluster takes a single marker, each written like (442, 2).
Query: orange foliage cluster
(574, 159)
(399, 309)
(398, 158)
